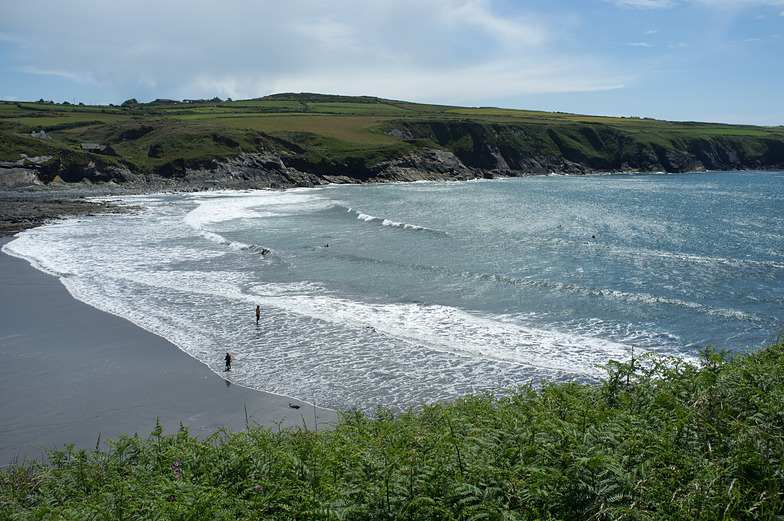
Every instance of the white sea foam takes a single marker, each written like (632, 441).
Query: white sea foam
(218, 212)
(450, 330)
(218, 207)
(384, 222)
(319, 329)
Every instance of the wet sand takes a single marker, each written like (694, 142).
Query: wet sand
(70, 373)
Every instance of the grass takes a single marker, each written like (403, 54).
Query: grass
(323, 134)
(363, 108)
(351, 129)
(657, 438)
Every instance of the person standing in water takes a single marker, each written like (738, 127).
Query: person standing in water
(228, 361)
(258, 314)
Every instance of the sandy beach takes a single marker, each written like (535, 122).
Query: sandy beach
(71, 374)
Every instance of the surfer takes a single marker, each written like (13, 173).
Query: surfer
(228, 361)
(258, 314)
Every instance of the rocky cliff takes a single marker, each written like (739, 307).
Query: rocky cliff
(430, 150)
(518, 149)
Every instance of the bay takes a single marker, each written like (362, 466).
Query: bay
(397, 294)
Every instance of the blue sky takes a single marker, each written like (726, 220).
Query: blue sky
(700, 60)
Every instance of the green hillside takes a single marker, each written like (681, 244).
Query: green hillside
(357, 137)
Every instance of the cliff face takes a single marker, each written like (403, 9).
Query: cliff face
(461, 150)
(436, 150)
(529, 149)
(46, 170)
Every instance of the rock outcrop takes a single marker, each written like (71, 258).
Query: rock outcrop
(249, 169)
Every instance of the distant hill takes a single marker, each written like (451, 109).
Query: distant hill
(309, 139)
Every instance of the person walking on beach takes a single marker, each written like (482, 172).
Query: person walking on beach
(258, 314)
(228, 361)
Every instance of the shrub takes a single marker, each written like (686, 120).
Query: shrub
(658, 438)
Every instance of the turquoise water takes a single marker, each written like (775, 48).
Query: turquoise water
(401, 293)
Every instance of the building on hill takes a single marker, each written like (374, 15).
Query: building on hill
(216, 99)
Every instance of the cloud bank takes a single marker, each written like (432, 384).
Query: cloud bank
(249, 48)
(672, 59)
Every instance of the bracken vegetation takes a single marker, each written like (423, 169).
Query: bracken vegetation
(657, 438)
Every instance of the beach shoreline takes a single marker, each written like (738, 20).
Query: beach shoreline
(72, 374)
(25, 208)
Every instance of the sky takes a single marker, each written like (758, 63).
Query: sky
(679, 60)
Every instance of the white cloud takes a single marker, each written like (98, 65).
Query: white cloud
(247, 48)
(478, 14)
(738, 3)
(462, 85)
(644, 4)
(77, 77)
(658, 4)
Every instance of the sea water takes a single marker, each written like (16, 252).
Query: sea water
(398, 294)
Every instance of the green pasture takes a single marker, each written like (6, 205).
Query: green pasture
(350, 119)
(731, 131)
(355, 129)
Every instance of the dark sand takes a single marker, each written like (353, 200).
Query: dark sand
(70, 373)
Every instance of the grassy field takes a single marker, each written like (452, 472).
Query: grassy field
(352, 129)
(657, 438)
(356, 114)
(324, 132)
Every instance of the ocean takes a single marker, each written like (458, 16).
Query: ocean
(393, 295)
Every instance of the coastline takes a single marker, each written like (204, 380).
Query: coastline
(22, 209)
(72, 374)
